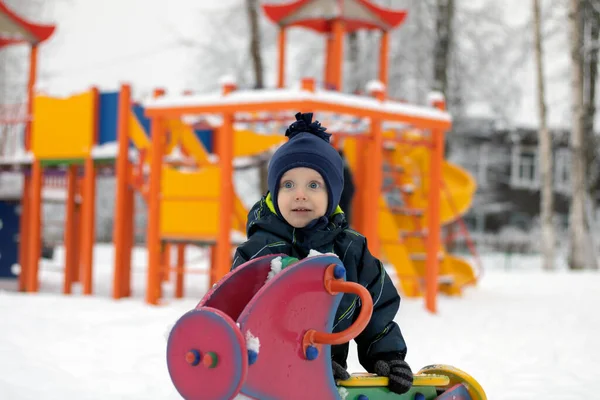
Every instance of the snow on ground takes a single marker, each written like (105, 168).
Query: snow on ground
(524, 334)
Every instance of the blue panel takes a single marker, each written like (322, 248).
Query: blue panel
(109, 103)
(139, 113)
(9, 236)
(206, 137)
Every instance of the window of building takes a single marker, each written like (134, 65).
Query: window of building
(475, 159)
(524, 171)
(482, 165)
(562, 165)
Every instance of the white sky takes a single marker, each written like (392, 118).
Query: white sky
(105, 43)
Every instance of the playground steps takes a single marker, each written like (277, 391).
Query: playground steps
(407, 188)
(410, 216)
(423, 256)
(411, 212)
(419, 233)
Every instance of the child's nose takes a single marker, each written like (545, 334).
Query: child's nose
(300, 195)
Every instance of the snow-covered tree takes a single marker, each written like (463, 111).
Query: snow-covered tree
(545, 149)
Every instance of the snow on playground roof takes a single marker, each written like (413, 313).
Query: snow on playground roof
(110, 150)
(14, 29)
(19, 156)
(317, 14)
(257, 97)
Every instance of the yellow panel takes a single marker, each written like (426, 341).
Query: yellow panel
(201, 183)
(248, 143)
(63, 128)
(190, 205)
(192, 219)
(190, 202)
(195, 219)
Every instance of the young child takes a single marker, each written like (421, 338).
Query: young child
(299, 213)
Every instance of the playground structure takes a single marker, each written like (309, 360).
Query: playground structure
(191, 200)
(15, 30)
(269, 336)
(409, 236)
(110, 133)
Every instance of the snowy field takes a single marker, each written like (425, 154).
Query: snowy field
(524, 334)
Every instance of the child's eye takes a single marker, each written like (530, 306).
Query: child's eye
(287, 185)
(314, 185)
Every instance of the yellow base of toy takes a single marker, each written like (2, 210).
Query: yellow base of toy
(364, 379)
(456, 376)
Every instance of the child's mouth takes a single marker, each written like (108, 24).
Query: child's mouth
(301, 209)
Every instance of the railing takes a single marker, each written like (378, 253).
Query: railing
(13, 114)
(13, 119)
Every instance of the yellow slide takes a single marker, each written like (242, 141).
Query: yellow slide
(403, 235)
(456, 198)
(459, 184)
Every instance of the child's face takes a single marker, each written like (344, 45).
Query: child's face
(302, 196)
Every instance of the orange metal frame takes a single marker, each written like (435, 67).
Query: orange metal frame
(369, 180)
(26, 231)
(129, 179)
(124, 207)
(368, 176)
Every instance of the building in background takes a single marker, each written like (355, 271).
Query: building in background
(504, 162)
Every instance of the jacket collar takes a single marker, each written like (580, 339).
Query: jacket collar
(318, 235)
(269, 203)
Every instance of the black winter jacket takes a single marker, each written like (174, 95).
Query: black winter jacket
(269, 234)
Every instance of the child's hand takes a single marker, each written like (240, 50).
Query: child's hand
(399, 374)
(339, 372)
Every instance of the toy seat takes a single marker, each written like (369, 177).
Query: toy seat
(235, 290)
(291, 315)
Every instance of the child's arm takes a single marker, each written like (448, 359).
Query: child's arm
(382, 337)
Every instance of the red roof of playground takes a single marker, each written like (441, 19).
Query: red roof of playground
(15, 29)
(317, 15)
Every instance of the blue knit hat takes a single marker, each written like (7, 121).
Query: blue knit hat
(308, 146)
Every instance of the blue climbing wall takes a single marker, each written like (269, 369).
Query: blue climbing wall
(9, 236)
(107, 117)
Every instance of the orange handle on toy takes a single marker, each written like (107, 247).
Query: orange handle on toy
(334, 286)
